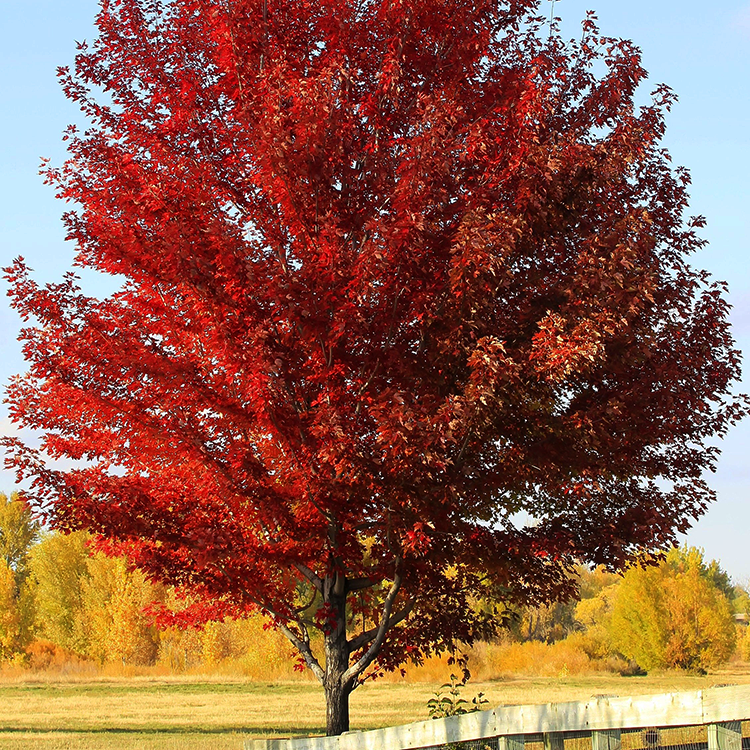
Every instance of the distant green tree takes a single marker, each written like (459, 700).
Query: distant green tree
(741, 600)
(674, 615)
(59, 568)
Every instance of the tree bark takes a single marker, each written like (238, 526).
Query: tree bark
(337, 689)
(337, 707)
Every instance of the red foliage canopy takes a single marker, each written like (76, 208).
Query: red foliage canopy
(394, 272)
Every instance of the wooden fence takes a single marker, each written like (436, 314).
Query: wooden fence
(720, 709)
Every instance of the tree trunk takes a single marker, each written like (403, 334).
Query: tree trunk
(337, 661)
(337, 708)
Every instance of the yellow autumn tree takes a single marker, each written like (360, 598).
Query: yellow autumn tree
(674, 615)
(91, 604)
(594, 615)
(702, 633)
(9, 615)
(59, 567)
(18, 532)
(249, 646)
(115, 598)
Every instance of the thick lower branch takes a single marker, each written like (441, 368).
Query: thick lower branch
(369, 656)
(369, 635)
(357, 584)
(303, 646)
(311, 576)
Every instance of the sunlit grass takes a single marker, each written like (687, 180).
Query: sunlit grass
(167, 713)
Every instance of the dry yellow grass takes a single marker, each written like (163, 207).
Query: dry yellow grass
(163, 713)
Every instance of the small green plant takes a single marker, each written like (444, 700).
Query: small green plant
(447, 700)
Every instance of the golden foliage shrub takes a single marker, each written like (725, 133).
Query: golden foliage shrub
(674, 615)
(490, 661)
(179, 650)
(45, 656)
(434, 669)
(533, 659)
(237, 647)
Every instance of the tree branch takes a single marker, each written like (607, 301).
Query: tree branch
(368, 635)
(311, 576)
(357, 584)
(367, 658)
(307, 604)
(303, 646)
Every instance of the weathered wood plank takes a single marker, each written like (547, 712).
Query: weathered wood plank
(266, 744)
(712, 706)
(669, 709)
(726, 704)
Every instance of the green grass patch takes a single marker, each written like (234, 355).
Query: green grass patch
(194, 714)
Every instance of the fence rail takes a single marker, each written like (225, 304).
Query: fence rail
(602, 718)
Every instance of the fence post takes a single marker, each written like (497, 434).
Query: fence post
(511, 742)
(606, 739)
(726, 735)
(554, 741)
(266, 744)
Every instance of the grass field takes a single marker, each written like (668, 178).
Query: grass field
(211, 714)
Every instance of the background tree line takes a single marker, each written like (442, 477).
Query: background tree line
(61, 602)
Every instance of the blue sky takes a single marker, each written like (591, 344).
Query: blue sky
(699, 49)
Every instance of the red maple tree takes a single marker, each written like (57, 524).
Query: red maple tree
(394, 272)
